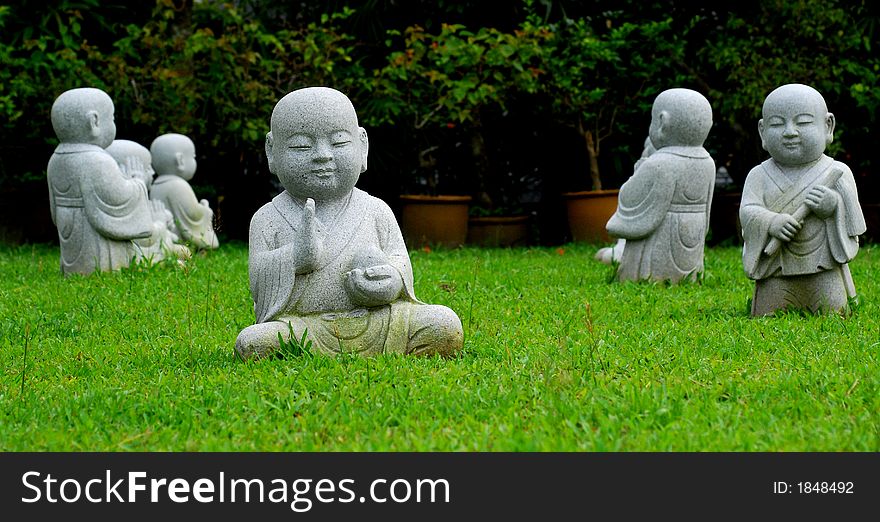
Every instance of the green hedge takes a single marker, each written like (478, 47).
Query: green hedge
(214, 70)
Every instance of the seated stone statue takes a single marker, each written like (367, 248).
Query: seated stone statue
(174, 158)
(97, 209)
(614, 253)
(800, 210)
(663, 209)
(327, 258)
(133, 158)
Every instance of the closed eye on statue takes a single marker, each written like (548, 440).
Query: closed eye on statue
(300, 147)
(341, 143)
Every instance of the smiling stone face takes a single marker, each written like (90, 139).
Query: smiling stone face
(796, 125)
(316, 147)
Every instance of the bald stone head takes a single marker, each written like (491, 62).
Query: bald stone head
(174, 154)
(123, 151)
(315, 146)
(84, 115)
(680, 117)
(796, 126)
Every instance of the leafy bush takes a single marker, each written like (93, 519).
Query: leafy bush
(437, 95)
(438, 82)
(592, 77)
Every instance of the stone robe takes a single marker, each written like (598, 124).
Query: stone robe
(193, 221)
(663, 213)
(98, 211)
(317, 300)
(163, 240)
(821, 246)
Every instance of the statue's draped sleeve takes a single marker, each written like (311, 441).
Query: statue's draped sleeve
(755, 219)
(116, 206)
(195, 221)
(392, 244)
(271, 269)
(848, 222)
(643, 202)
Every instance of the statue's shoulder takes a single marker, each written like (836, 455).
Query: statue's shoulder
(759, 171)
(653, 169)
(265, 215)
(266, 224)
(369, 204)
(841, 165)
(93, 158)
(96, 167)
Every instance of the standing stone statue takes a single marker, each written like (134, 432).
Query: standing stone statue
(800, 210)
(174, 158)
(135, 158)
(327, 258)
(97, 209)
(663, 209)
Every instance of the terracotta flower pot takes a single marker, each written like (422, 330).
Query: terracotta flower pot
(498, 231)
(434, 220)
(588, 212)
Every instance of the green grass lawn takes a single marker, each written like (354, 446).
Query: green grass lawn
(555, 358)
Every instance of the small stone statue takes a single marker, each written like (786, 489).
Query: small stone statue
(663, 209)
(174, 158)
(614, 253)
(97, 209)
(135, 158)
(800, 210)
(326, 258)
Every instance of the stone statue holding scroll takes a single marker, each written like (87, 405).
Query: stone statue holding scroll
(97, 209)
(800, 210)
(663, 208)
(326, 259)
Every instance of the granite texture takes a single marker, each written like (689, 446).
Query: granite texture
(326, 258)
(97, 209)
(613, 254)
(800, 210)
(663, 209)
(174, 159)
(135, 160)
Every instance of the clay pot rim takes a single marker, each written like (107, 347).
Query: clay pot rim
(441, 199)
(586, 194)
(498, 220)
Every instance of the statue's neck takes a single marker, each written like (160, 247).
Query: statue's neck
(72, 148)
(327, 209)
(793, 172)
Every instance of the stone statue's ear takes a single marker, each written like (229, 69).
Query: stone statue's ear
(829, 128)
(94, 123)
(269, 151)
(761, 133)
(365, 143)
(665, 122)
(178, 160)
